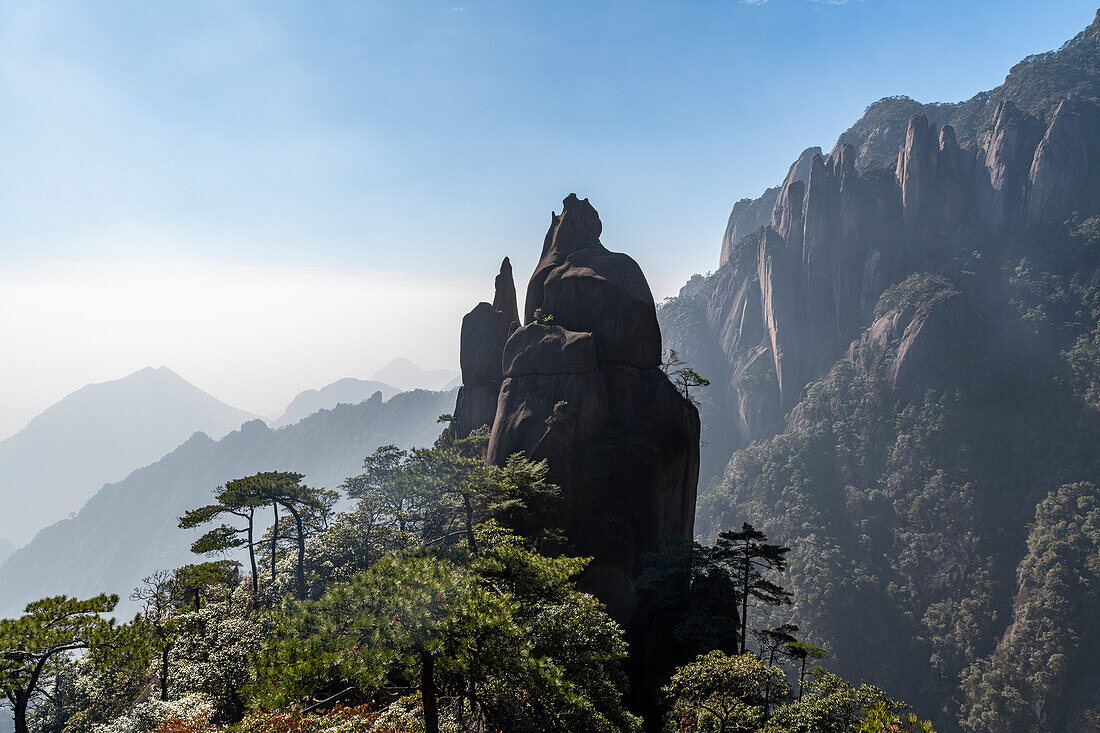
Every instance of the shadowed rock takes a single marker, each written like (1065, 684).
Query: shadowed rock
(485, 330)
(584, 287)
(1008, 153)
(580, 386)
(916, 170)
(583, 389)
(504, 298)
(1059, 172)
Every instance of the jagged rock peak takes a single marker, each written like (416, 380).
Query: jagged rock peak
(1008, 155)
(917, 165)
(947, 138)
(504, 297)
(578, 226)
(787, 213)
(842, 159)
(485, 330)
(800, 169)
(787, 217)
(1060, 169)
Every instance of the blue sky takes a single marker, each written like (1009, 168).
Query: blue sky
(424, 138)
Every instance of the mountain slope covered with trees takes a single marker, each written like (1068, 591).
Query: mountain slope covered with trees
(97, 434)
(128, 529)
(926, 436)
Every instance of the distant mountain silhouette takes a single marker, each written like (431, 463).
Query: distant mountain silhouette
(6, 549)
(97, 434)
(129, 528)
(347, 391)
(404, 375)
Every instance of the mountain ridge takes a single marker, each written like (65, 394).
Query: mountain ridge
(349, 391)
(96, 434)
(902, 344)
(94, 551)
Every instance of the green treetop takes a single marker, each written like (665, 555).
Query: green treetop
(33, 646)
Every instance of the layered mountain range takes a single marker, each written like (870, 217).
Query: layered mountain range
(347, 391)
(802, 267)
(98, 434)
(128, 529)
(904, 351)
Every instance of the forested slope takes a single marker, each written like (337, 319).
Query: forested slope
(905, 362)
(129, 528)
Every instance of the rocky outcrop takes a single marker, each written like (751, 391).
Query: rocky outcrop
(586, 288)
(926, 341)
(917, 167)
(748, 215)
(581, 386)
(583, 389)
(485, 330)
(793, 292)
(1007, 150)
(1060, 170)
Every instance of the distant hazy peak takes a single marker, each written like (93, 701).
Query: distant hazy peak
(100, 433)
(405, 375)
(348, 391)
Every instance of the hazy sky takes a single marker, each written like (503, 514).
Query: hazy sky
(268, 196)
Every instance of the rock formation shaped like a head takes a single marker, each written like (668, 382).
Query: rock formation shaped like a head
(583, 287)
(583, 389)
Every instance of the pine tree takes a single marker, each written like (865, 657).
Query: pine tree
(747, 556)
(33, 646)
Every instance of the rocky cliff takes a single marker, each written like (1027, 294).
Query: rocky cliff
(580, 385)
(905, 358)
(791, 295)
(485, 330)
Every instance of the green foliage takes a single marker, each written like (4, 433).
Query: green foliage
(97, 686)
(831, 705)
(905, 512)
(719, 693)
(746, 557)
(380, 624)
(195, 582)
(540, 316)
(882, 718)
(1041, 676)
(517, 660)
(684, 377)
(918, 290)
(214, 652)
(309, 507)
(34, 647)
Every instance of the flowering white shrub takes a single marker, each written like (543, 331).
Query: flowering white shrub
(406, 715)
(146, 716)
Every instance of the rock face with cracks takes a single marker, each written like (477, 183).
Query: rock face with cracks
(794, 290)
